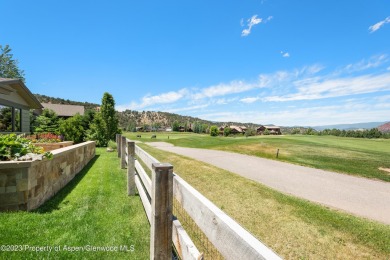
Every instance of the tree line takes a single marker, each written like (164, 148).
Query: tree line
(366, 133)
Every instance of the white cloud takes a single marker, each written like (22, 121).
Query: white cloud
(372, 62)
(224, 89)
(251, 22)
(247, 116)
(285, 54)
(249, 100)
(378, 25)
(181, 109)
(224, 101)
(147, 101)
(319, 87)
(384, 98)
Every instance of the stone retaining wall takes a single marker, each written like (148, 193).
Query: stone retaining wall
(27, 185)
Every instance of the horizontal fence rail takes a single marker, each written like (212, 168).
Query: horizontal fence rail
(230, 239)
(183, 244)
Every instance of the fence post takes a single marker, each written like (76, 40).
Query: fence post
(118, 144)
(123, 152)
(161, 223)
(130, 168)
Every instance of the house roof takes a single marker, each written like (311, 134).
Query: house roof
(15, 91)
(271, 127)
(237, 128)
(64, 110)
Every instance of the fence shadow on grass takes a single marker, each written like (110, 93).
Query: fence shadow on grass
(54, 202)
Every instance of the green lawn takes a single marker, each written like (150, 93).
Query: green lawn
(292, 227)
(91, 211)
(361, 157)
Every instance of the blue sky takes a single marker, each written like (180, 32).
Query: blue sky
(265, 61)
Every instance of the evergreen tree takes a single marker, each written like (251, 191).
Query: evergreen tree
(9, 66)
(97, 131)
(47, 122)
(175, 126)
(109, 116)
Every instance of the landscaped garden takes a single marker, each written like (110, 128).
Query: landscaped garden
(90, 218)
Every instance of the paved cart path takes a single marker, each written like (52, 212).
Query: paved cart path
(359, 196)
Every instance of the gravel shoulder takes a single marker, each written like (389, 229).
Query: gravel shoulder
(359, 196)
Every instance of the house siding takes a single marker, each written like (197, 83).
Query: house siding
(25, 121)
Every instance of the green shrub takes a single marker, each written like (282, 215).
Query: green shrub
(227, 131)
(214, 130)
(72, 129)
(250, 132)
(97, 131)
(112, 145)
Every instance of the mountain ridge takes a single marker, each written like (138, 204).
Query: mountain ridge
(355, 126)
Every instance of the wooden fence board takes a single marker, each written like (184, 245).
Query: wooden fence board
(145, 157)
(130, 161)
(144, 198)
(231, 240)
(144, 177)
(183, 243)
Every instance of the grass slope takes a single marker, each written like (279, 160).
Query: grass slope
(361, 157)
(294, 228)
(92, 210)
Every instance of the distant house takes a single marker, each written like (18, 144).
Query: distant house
(233, 129)
(273, 130)
(243, 128)
(15, 102)
(236, 130)
(64, 111)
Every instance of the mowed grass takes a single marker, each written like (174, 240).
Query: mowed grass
(292, 227)
(92, 210)
(361, 157)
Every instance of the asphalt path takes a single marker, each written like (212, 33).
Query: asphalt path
(359, 196)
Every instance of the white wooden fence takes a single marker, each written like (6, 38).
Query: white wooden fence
(228, 237)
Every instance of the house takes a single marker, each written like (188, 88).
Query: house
(243, 128)
(64, 111)
(273, 130)
(16, 100)
(236, 130)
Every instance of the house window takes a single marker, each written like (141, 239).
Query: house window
(10, 119)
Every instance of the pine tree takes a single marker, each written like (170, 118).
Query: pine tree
(109, 116)
(9, 66)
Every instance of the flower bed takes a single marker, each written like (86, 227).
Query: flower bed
(52, 146)
(44, 138)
